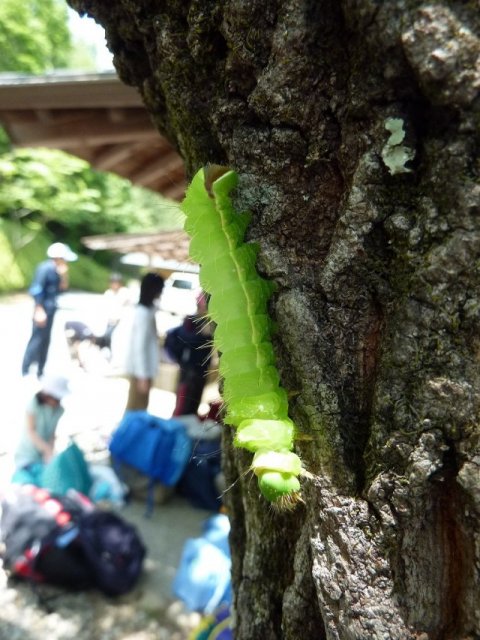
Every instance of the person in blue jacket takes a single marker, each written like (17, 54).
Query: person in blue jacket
(51, 277)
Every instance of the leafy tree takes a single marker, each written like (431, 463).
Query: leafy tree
(82, 57)
(354, 127)
(52, 188)
(47, 194)
(4, 141)
(34, 36)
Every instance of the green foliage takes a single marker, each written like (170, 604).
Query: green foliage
(82, 57)
(21, 251)
(46, 195)
(11, 275)
(88, 275)
(5, 144)
(47, 187)
(34, 35)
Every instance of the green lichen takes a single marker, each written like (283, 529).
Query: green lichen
(395, 155)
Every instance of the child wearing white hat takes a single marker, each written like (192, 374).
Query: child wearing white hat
(36, 443)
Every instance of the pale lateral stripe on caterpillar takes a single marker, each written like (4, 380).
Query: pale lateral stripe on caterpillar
(256, 403)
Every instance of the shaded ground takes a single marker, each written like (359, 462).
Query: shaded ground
(92, 410)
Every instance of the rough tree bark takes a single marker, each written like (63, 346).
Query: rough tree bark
(374, 242)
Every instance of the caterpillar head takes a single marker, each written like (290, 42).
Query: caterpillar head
(211, 172)
(278, 481)
(282, 490)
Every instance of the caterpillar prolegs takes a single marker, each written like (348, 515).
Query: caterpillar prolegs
(255, 402)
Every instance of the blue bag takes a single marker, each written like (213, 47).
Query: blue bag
(31, 474)
(203, 578)
(160, 449)
(67, 470)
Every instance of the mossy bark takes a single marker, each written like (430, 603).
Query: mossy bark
(379, 290)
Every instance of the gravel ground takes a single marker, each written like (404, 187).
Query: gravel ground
(148, 612)
(92, 410)
(89, 616)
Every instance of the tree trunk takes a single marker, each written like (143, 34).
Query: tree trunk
(354, 127)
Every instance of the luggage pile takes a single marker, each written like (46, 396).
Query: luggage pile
(154, 456)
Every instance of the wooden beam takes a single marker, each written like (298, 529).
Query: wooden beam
(128, 242)
(67, 92)
(174, 192)
(110, 157)
(97, 118)
(68, 116)
(85, 153)
(157, 169)
(80, 134)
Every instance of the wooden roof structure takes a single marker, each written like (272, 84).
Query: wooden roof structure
(167, 250)
(95, 117)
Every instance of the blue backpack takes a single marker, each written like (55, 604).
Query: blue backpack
(159, 449)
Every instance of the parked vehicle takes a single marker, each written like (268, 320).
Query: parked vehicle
(179, 293)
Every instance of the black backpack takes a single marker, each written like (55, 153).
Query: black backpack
(66, 542)
(113, 550)
(198, 481)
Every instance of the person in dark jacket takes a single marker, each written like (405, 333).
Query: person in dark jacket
(51, 277)
(190, 345)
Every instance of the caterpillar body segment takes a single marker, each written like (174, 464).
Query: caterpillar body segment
(272, 460)
(247, 331)
(265, 435)
(243, 359)
(252, 383)
(272, 405)
(256, 403)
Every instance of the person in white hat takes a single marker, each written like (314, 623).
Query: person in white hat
(51, 277)
(36, 445)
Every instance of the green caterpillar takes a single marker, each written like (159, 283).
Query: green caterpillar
(255, 402)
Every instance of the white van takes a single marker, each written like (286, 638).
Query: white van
(179, 294)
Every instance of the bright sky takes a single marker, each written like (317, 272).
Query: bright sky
(89, 31)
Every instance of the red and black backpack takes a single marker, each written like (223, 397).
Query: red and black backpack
(66, 541)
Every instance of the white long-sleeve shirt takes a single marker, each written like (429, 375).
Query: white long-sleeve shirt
(143, 353)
